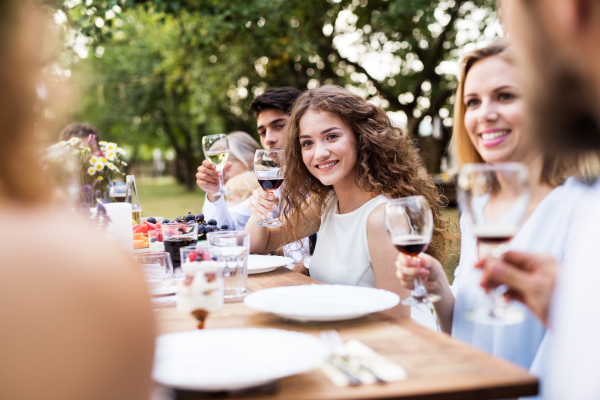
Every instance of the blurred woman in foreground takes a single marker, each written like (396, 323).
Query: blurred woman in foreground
(76, 320)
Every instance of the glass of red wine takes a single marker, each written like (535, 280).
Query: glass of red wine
(409, 222)
(495, 197)
(269, 168)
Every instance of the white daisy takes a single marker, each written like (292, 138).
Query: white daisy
(111, 166)
(103, 161)
(99, 167)
(94, 160)
(111, 146)
(102, 143)
(62, 144)
(74, 140)
(91, 170)
(123, 163)
(111, 155)
(121, 151)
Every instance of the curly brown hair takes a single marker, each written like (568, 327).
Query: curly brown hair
(387, 163)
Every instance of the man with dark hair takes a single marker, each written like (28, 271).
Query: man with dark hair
(83, 132)
(272, 111)
(558, 43)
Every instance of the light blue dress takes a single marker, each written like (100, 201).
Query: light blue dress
(545, 232)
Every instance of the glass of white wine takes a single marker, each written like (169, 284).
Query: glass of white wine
(216, 149)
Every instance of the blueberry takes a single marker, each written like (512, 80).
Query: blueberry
(152, 240)
(201, 229)
(212, 222)
(225, 227)
(209, 229)
(190, 217)
(166, 221)
(200, 217)
(152, 220)
(214, 258)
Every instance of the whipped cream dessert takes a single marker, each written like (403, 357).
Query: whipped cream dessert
(156, 247)
(201, 292)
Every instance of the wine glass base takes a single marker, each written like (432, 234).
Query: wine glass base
(485, 316)
(268, 223)
(428, 298)
(222, 192)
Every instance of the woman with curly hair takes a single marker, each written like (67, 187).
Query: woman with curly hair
(345, 160)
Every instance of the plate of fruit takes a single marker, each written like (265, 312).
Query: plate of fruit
(204, 226)
(141, 241)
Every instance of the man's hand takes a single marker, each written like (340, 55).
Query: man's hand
(529, 277)
(207, 178)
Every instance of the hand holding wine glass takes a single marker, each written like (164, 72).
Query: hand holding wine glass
(216, 149)
(409, 222)
(269, 168)
(496, 198)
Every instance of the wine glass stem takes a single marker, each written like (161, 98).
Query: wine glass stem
(221, 182)
(419, 289)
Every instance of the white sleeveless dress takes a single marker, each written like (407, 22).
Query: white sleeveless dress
(342, 254)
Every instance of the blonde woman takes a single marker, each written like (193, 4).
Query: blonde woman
(76, 317)
(489, 127)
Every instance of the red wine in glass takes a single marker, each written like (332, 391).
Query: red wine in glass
(270, 184)
(411, 245)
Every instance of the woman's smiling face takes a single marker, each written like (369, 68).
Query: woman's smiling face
(328, 147)
(494, 110)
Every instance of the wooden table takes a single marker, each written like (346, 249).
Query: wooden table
(438, 366)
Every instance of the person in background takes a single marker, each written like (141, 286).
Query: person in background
(272, 112)
(345, 160)
(242, 148)
(558, 43)
(76, 321)
(242, 186)
(489, 127)
(86, 133)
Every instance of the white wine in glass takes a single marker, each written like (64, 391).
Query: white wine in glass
(216, 149)
(495, 197)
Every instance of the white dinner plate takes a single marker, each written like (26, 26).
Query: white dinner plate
(164, 291)
(258, 264)
(321, 302)
(233, 359)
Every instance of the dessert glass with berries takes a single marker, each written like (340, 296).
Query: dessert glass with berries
(201, 293)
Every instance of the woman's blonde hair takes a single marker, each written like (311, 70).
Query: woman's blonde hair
(242, 146)
(555, 170)
(243, 184)
(387, 163)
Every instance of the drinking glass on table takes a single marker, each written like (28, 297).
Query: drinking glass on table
(177, 235)
(231, 249)
(409, 222)
(157, 269)
(269, 168)
(216, 149)
(496, 198)
(201, 293)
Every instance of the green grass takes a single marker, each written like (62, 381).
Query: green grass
(164, 197)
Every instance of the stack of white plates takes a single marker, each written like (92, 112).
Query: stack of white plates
(322, 302)
(233, 359)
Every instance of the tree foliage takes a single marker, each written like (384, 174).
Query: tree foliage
(191, 67)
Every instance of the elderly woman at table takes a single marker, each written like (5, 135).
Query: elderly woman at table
(345, 159)
(489, 127)
(76, 321)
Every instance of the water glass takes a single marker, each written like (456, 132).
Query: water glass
(157, 269)
(231, 249)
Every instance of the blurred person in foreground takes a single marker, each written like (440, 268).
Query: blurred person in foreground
(558, 43)
(76, 318)
(242, 147)
(489, 113)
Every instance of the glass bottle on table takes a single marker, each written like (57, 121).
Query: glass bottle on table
(131, 197)
(496, 198)
(269, 168)
(216, 149)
